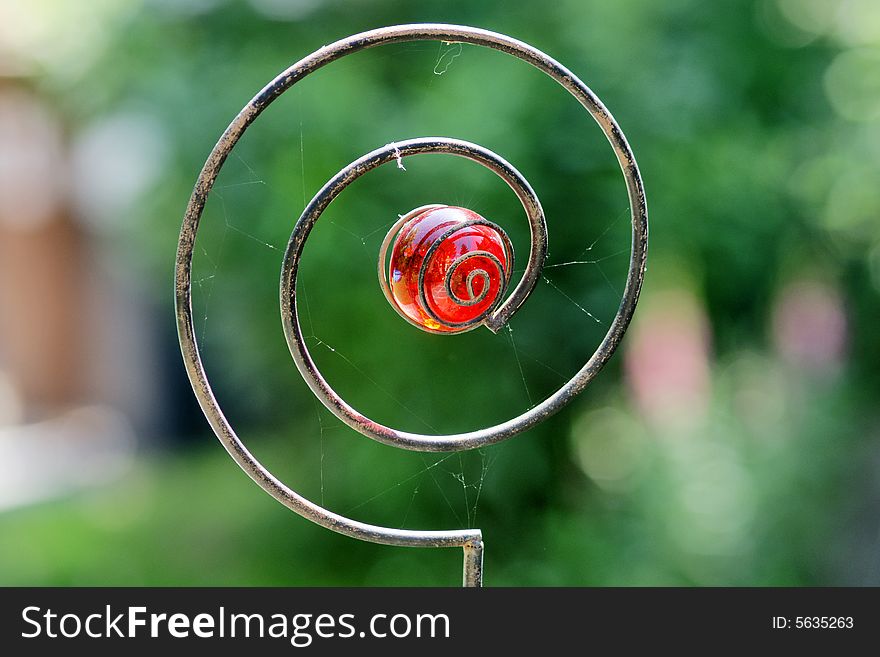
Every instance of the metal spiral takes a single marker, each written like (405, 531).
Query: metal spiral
(495, 317)
(475, 297)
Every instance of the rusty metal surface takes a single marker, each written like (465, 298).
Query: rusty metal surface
(469, 539)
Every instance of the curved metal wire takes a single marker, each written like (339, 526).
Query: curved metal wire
(504, 275)
(473, 298)
(469, 539)
(395, 152)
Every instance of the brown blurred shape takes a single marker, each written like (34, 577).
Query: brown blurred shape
(41, 258)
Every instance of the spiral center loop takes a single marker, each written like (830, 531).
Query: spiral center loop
(473, 298)
(448, 268)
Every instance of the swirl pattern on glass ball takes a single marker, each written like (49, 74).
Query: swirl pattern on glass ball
(448, 270)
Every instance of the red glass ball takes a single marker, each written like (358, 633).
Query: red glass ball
(449, 268)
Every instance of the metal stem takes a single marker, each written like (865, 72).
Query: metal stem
(473, 564)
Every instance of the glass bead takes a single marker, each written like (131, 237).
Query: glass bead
(449, 268)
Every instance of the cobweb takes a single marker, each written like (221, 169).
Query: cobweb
(437, 384)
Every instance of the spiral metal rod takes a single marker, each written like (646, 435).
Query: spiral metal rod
(468, 539)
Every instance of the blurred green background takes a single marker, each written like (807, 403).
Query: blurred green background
(734, 439)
